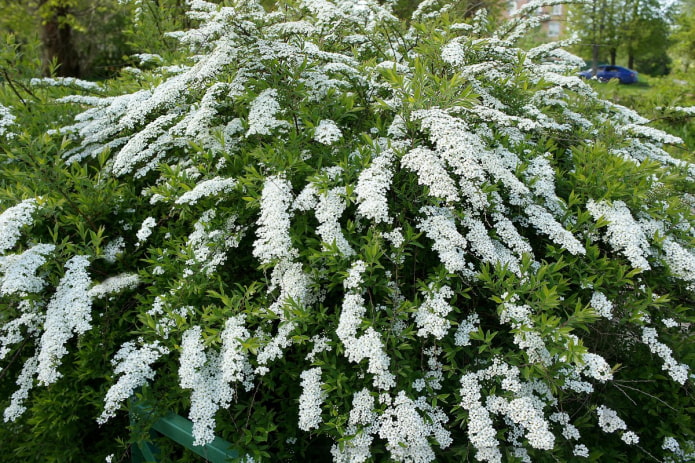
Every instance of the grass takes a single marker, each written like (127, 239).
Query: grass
(653, 97)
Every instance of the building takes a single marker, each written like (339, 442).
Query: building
(554, 27)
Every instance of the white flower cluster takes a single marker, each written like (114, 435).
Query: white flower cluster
(609, 421)
(679, 372)
(273, 347)
(134, 364)
(624, 234)
(369, 345)
(544, 222)
(145, 230)
(372, 186)
(524, 412)
(407, 433)
(680, 260)
(211, 187)
(25, 381)
(327, 132)
(273, 232)
(11, 332)
(650, 132)
(354, 282)
(679, 454)
(439, 225)
(600, 303)
(489, 250)
(201, 373)
(7, 119)
(18, 271)
(329, 209)
(430, 317)
(210, 247)
(236, 367)
(113, 249)
(64, 82)
(362, 424)
(466, 327)
(310, 400)
(432, 173)
(596, 367)
(481, 431)
(68, 313)
(569, 431)
(12, 220)
(321, 344)
(262, 113)
(114, 284)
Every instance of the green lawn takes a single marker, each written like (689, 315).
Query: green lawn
(653, 97)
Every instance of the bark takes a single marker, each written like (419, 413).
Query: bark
(58, 43)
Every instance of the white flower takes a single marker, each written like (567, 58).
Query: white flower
(114, 284)
(372, 186)
(439, 225)
(679, 372)
(353, 282)
(544, 222)
(273, 232)
(466, 327)
(609, 421)
(431, 172)
(134, 364)
(235, 364)
(327, 132)
(12, 220)
(262, 113)
(329, 209)
(624, 234)
(310, 400)
(430, 317)
(407, 434)
(369, 345)
(211, 187)
(145, 230)
(596, 367)
(113, 249)
(25, 381)
(19, 270)
(6, 120)
(201, 373)
(600, 303)
(68, 313)
(580, 450)
(630, 438)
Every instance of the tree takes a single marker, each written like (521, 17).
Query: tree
(79, 38)
(637, 28)
(328, 234)
(684, 34)
(645, 31)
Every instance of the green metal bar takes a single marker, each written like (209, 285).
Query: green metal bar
(180, 430)
(143, 452)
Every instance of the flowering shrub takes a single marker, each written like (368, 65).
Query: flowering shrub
(329, 235)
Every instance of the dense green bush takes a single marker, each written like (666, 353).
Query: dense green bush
(328, 233)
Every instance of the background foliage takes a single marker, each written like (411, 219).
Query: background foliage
(91, 196)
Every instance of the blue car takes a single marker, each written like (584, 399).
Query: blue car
(605, 73)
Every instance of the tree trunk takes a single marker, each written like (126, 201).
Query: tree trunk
(57, 41)
(613, 53)
(630, 60)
